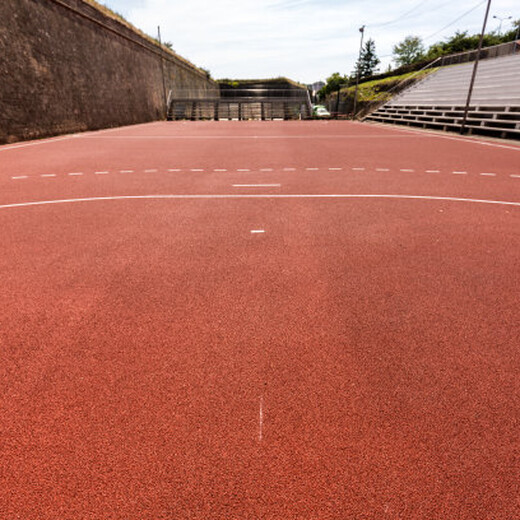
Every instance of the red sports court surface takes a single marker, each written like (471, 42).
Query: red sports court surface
(264, 320)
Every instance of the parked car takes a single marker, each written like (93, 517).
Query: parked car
(320, 111)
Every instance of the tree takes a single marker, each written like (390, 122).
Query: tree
(409, 51)
(333, 84)
(462, 42)
(512, 34)
(368, 62)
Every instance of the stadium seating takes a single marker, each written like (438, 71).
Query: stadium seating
(438, 101)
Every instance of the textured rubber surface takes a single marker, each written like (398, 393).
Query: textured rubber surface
(357, 360)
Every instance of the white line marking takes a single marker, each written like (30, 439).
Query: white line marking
(48, 175)
(257, 231)
(256, 185)
(153, 170)
(266, 170)
(101, 173)
(196, 169)
(330, 196)
(488, 174)
(382, 169)
(174, 170)
(220, 170)
(422, 133)
(335, 169)
(6, 148)
(261, 421)
(459, 173)
(75, 174)
(312, 169)
(515, 176)
(406, 170)
(19, 177)
(433, 171)
(126, 171)
(359, 169)
(288, 169)
(281, 137)
(243, 170)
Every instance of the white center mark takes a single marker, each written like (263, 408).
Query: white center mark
(261, 421)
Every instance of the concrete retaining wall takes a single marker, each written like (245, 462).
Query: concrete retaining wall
(66, 67)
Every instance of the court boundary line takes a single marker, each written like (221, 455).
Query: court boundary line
(327, 196)
(425, 132)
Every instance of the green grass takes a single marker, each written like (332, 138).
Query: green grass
(379, 90)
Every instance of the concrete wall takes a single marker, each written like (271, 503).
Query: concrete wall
(65, 67)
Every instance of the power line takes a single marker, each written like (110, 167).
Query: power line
(456, 20)
(404, 15)
(446, 26)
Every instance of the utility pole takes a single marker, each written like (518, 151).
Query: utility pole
(162, 70)
(362, 31)
(475, 68)
(517, 37)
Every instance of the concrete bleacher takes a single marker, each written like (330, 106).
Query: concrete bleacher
(438, 101)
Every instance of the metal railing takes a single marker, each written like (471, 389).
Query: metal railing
(495, 51)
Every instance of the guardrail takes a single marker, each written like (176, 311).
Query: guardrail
(495, 51)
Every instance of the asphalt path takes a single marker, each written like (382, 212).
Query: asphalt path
(260, 320)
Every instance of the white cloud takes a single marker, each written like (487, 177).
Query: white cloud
(305, 40)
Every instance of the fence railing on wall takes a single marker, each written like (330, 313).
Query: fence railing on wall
(495, 51)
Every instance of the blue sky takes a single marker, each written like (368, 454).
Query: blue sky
(305, 40)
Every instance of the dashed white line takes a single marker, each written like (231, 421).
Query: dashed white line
(407, 170)
(220, 170)
(153, 170)
(359, 169)
(75, 174)
(433, 171)
(19, 177)
(257, 231)
(126, 171)
(312, 169)
(196, 169)
(382, 169)
(101, 173)
(515, 176)
(488, 174)
(243, 170)
(174, 170)
(289, 169)
(266, 169)
(460, 173)
(47, 175)
(335, 169)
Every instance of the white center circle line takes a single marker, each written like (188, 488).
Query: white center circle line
(330, 196)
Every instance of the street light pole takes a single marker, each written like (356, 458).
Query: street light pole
(475, 67)
(362, 31)
(501, 18)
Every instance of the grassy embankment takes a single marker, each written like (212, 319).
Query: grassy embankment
(371, 94)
